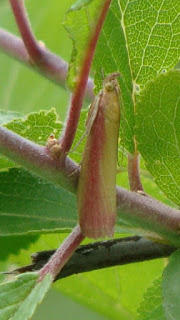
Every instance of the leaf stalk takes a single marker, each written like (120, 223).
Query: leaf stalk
(72, 120)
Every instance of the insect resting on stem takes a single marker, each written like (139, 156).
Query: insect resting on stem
(96, 195)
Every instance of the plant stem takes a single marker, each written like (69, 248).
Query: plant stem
(134, 209)
(36, 159)
(68, 134)
(146, 213)
(52, 67)
(133, 173)
(13, 46)
(62, 254)
(32, 46)
(103, 254)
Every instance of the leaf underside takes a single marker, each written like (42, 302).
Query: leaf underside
(151, 305)
(157, 131)
(171, 287)
(19, 298)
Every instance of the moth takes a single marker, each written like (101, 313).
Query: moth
(96, 195)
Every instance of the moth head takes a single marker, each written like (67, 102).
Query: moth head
(111, 83)
(109, 86)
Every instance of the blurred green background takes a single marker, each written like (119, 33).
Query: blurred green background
(20, 88)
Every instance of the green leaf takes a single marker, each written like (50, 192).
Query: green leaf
(6, 164)
(38, 127)
(151, 305)
(30, 204)
(6, 116)
(12, 245)
(19, 298)
(153, 35)
(135, 278)
(78, 145)
(112, 291)
(155, 27)
(151, 32)
(157, 131)
(80, 22)
(79, 4)
(171, 287)
(152, 189)
(140, 40)
(111, 56)
(35, 126)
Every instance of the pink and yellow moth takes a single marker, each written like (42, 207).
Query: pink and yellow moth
(97, 181)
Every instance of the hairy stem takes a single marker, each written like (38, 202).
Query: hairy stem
(148, 214)
(68, 134)
(134, 209)
(32, 46)
(36, 159)
(103, 254)
(52, 67)
(13, 46)
(62, 254)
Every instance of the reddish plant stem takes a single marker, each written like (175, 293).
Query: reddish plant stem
(52, 67)
(13, 46)
(133, 173)
(68, 134)
(148, 214)
(137, 210)
(20, 14)
(62, 255)
(36, 159)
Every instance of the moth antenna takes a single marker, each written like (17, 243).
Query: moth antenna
(102, 74)
(78, 143)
